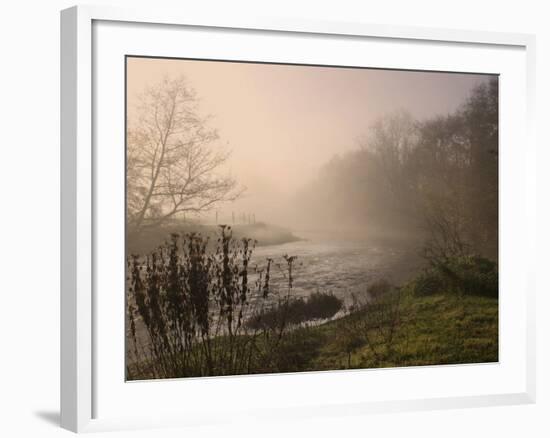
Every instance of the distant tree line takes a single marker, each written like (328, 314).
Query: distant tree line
(436, 179)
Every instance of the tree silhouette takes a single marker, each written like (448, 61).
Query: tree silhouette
(174, 159)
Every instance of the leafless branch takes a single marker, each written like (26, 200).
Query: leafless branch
(175, 163)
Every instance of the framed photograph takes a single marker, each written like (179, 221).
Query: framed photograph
(285, 218)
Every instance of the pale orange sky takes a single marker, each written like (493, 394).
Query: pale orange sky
(282, 122)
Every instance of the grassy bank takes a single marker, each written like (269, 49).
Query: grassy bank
(439, 329)
(203, 314)
(432, 330)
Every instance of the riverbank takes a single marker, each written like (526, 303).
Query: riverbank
(384, 309)
(442, 328)
(265, 235)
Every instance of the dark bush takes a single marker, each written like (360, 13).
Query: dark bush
(317, 306)
(476, 276)
(321, 305)
(429, 282)
(470, 275)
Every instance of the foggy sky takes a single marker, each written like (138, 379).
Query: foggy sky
(283, 122)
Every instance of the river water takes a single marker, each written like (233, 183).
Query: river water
(339, 266)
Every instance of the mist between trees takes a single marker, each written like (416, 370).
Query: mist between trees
(434, 179)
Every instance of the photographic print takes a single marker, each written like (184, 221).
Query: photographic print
(289, 218)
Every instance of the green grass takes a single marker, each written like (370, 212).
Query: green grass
(447, 314)
(434, 330)
(431, 330)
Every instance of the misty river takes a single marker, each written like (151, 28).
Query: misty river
(335, 265)
(325, 264)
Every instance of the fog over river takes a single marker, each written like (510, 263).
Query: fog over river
(329, 264)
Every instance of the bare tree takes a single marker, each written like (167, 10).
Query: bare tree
(388, 149)
(445, 224)
(174, 160)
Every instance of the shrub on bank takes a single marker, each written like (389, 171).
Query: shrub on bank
(470, 275)
(317, 306)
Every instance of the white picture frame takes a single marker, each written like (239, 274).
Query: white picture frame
(83, 372)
